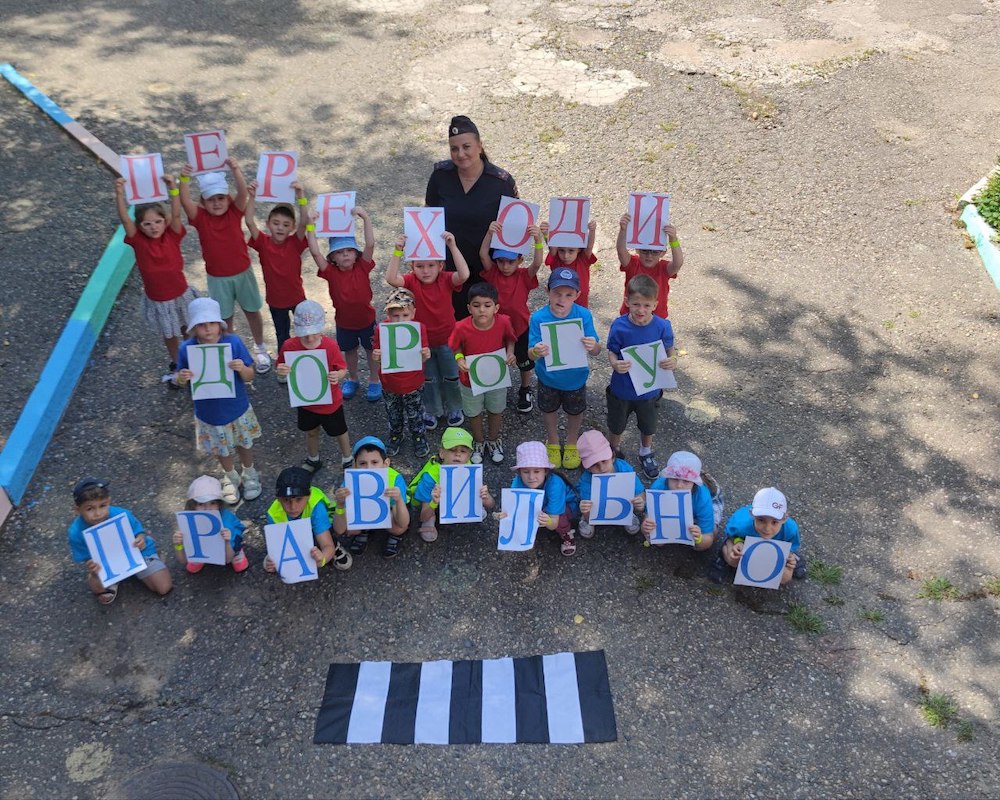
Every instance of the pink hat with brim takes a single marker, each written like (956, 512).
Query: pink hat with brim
(593, 447)
(532, 455)
(683, 466)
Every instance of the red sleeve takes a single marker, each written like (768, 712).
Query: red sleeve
(423, 335)
(336, 357)
(366, 265)
(591, 260)
(409, 279)
(302, 244)
(456, 339)
(530, 281)
(258, 244)
(284, 348)
(550, 259)
(455, 287)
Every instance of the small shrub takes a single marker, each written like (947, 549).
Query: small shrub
(804, 620)
(550, 135)
(987, 201)
(938, 589)
(965, 731)
(872, 615)
(643, 583)
(938, 709)
(992, 587)
(823, 573)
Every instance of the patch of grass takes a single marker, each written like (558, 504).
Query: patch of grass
(804, 620)
(833, 600)
(823, 573)
(643, 583)
(992, 587)
(668, 127)
(708, 226)
(754, 103)
(965, 731)
(913, 313)
(550, 135)
(872, 615)
(888, 324)
(987, 201)
(649, 156)
(938, 589)
(938, 709)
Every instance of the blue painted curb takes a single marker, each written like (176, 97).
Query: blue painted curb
(982, 234)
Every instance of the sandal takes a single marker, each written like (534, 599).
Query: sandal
(358, 544)
(392, 545)
(107, 597)
(568, 546)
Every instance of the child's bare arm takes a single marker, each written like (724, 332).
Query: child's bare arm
(536, 258)
(392, 276)
(241, 183)
(175, 203)
(369, 250)
(588, 251)
(461, 266)
(484, 248)
(339, 517)
(624, 256)
(676, 254)
(317, 256)
(190, 206)
(122, 206)
(250, 210)
(300, 194)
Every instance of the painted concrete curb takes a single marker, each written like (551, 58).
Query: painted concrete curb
(982, 234)
(55, 386)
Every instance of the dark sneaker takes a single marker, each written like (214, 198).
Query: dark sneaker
(525, 405)
(392, 545)
(358, 544)
(455, 419)
(430, 422)
(421, 448)
(346, 462)
(649, 465)
(312, 466)
(717, 569)
(393, 445)
(800, 567)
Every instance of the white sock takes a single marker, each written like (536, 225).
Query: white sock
(645, 451)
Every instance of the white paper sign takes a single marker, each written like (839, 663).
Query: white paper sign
(646, 373)
(367, 505)
(515, 217)
(568, 220)
(519, 527)
(424, 231)
(488, 371)
(335, 217)
(611, 494)
(143, 179)
(565, 341)
(289, 546)
(202, 533)
(650, 211)
(212, 376)
(762, 563)
(671, 512)
(276, 172)
(111, 545)
(399, 347)
(309, 379)
(206, 151)
(460, 499)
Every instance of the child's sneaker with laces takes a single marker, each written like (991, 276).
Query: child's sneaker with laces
(430, 422)
(341, 559)
(799, 572)
(346, 462)
(456, 419)
(262, 359)
(240, 561)
(717, 568)
(392, 446)
(649, 465)
(525, 405)
(477, 453)
(251, 483)
(495, 451)
(230, 483)
(421, 447)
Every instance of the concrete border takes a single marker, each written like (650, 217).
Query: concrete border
(982, 234)
(55, 386)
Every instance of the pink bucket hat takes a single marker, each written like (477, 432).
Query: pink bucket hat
(532, 454)
(593, 447)
(683, 466)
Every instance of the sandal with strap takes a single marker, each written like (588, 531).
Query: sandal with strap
(392, 545)
(107, 597)
(568, 545)
(358, 544)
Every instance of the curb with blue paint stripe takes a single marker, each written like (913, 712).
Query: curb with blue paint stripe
(982, 234)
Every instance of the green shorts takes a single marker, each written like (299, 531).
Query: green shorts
(494, 401)
(234, 289)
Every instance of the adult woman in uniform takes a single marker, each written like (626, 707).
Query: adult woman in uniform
(469, 187)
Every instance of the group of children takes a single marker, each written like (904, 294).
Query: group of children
(418, 401)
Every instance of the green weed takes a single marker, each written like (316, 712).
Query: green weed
(804, 620)
(965, 731)
(938, 709)
(992, 587)
(643, 583)
(938, 589)
(872, 615)
(833, 600)
(550, 135)
(825, 574)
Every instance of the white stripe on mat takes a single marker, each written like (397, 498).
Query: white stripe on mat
(499, 717)
(562, 699)
(433, 720)
(368, 711)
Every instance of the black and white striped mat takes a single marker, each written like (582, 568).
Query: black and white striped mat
(563, 698)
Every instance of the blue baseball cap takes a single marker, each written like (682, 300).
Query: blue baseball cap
(341, 242)
(510, 255)
(368, 441)
(564, 277)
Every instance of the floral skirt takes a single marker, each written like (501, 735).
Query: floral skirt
(168, 317)
(222, 440)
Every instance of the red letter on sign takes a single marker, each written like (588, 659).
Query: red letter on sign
(141, 177)
(334, 209)
(571, 215)
(656, 215)
(418, 227)
(276, 165)
(206, 151)
(516, 225)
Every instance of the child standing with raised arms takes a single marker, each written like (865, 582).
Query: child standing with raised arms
(577, 259)
(156, 236)
(653, 263)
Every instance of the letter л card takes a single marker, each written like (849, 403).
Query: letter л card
(519, 527)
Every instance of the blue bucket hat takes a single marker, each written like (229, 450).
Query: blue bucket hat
(341, 242)
(498, 252)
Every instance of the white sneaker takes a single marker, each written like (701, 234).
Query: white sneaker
(281, 378)
(262, 359)
(495, 449)
(585, 529)
(230, 487)
(477, 453)
(251, 483)
(633, 526)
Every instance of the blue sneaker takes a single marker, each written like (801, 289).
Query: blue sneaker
(349, 388)
(374, 392)
(455, 418)
(430, 421)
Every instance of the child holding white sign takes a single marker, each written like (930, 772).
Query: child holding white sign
(651, 263)
(577, 259)
(403, 391)
(484, 331)
(205, 494)
(683, 473)
(425, 488)
(505, 270)
(565, 387)
(310, 322)
(639, 327)
(347, 272)
(432, 289)
(297, 498)
(92, 501)
(533, 470)
(369, 453)
(767, 517)
(224, 426)
(598, 458)
(218, 218)
(156, 236)
(280, 251)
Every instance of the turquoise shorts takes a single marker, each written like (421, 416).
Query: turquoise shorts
(234, 289)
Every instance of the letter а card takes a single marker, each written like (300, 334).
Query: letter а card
(289, 546)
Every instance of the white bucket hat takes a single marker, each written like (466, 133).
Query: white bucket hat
(213, 183)
(204, 309)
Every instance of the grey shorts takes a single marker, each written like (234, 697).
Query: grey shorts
(153, 565)
(494, 401)
(234, 289)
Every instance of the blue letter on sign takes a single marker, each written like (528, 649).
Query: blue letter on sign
(371, 500)
(779, 561)
(288, 542)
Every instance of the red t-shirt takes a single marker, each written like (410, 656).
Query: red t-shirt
(581, 267)
(282, 268)
(658, 274)
(469, 340)
(334, 359)
(434, 307)
(513, 291)
(222, 244)
(351, 294)
(403, 382)
(160, 263)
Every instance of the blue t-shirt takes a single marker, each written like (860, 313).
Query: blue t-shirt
(701, 504)
(320, 519)
(424, 487)
(223, 410)
(566, 380)
(625, 333)
(740, 525)
(584, 486)
(555, 499)
(78, 545)
(236, 529)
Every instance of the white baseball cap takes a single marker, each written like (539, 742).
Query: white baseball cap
(309, 318)
(769, 503)
(205, 489)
